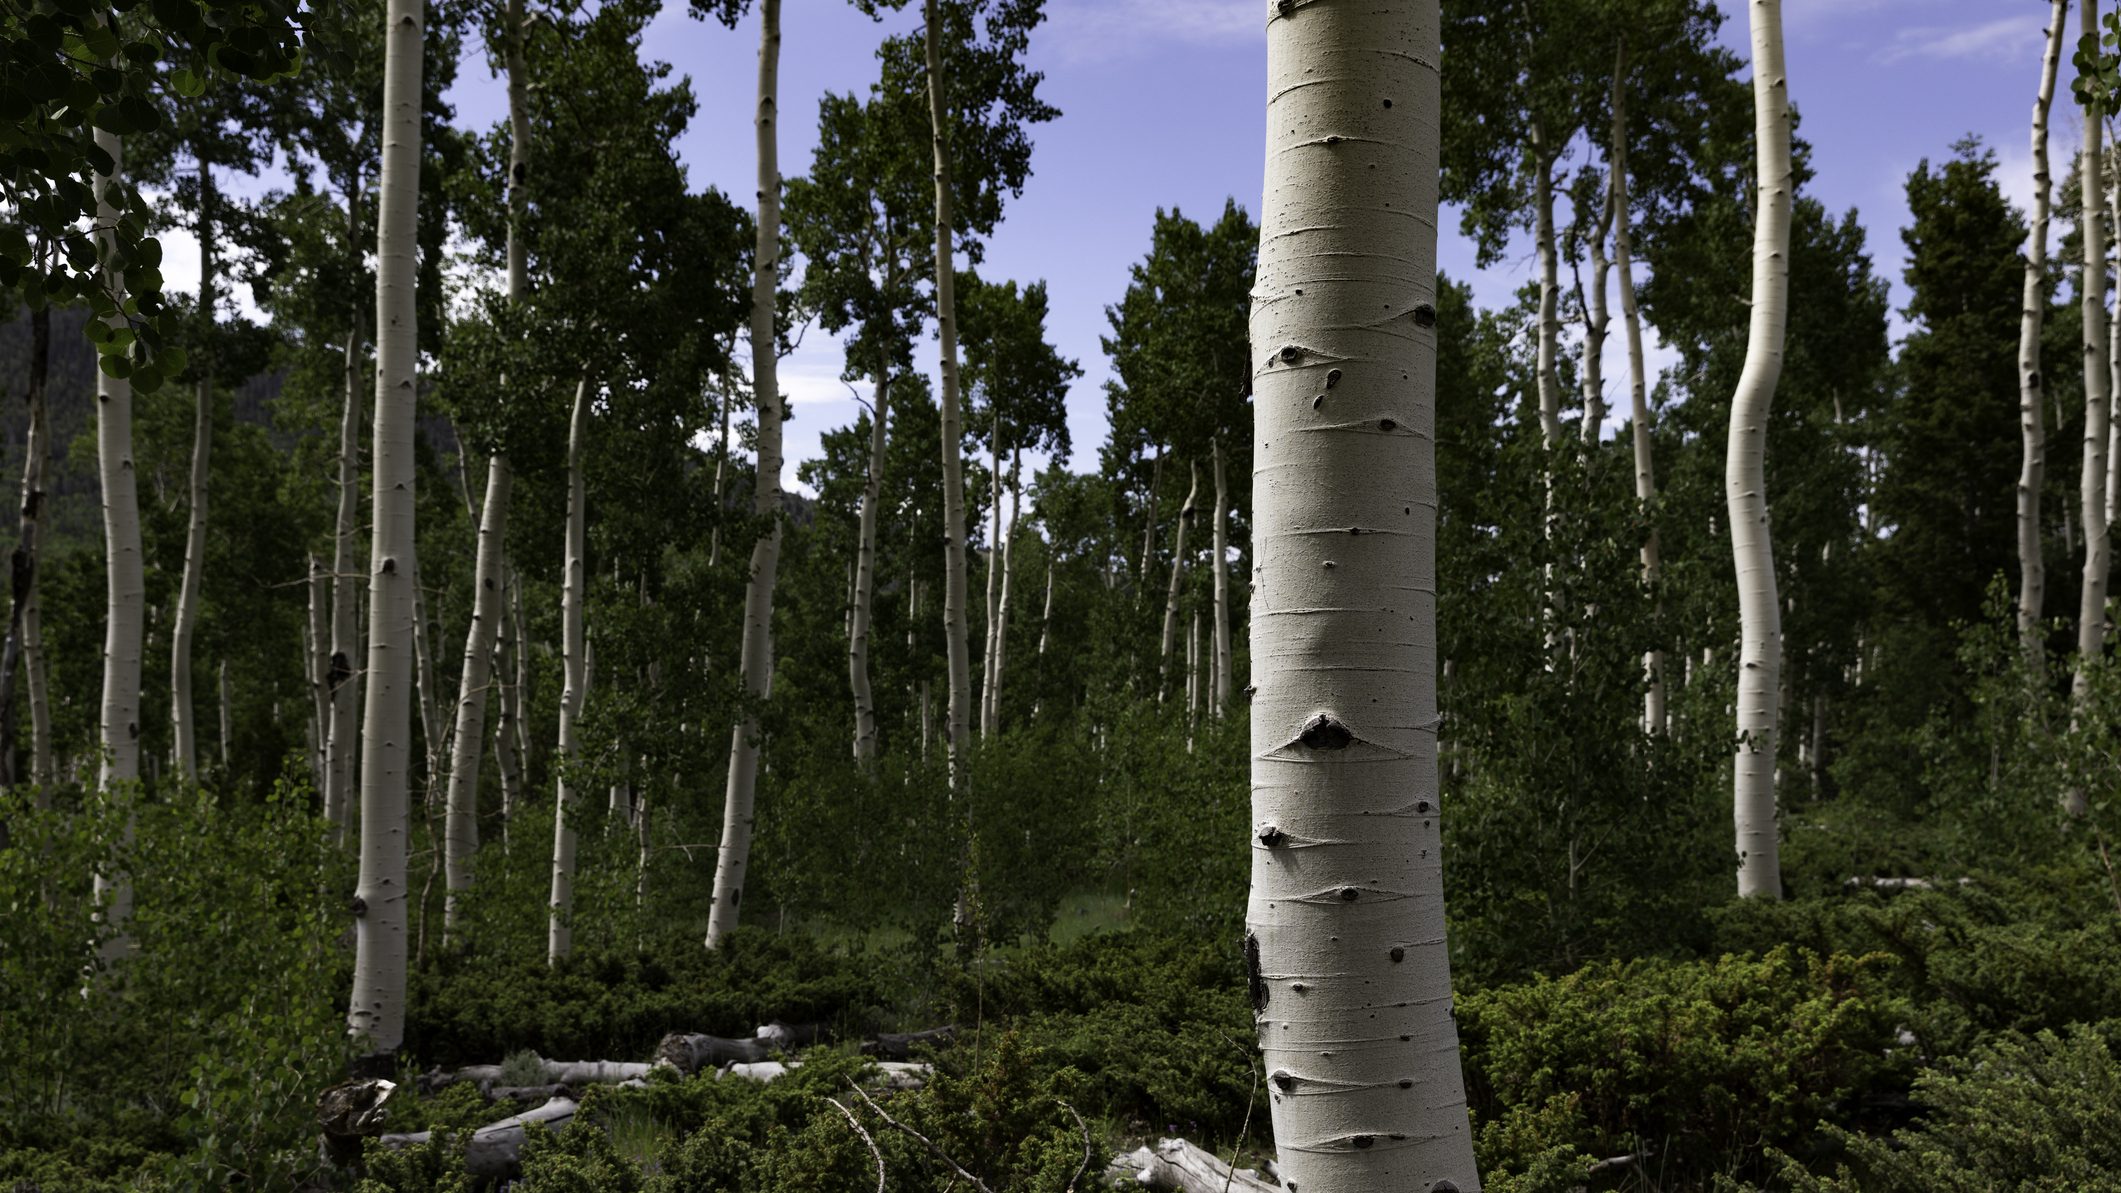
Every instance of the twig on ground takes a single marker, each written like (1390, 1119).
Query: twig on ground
(926, 1142)
(867, 1138)
(1088, 1154)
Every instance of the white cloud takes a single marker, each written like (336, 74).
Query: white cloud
(1084, 31)
(2003, 39)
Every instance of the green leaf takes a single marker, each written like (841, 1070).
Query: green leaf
(116, 366)
(187, 83)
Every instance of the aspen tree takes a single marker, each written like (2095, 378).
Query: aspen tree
(958, 717)
(865, 578)
(125, 588)
(2091, 611)
(376, 1012)
(2032, 473)
(1745, 481)
(460, 838)
(1178, 571)
(1653, 699)
(574, 664)
(343, 679)
(317, 641)
(1220, 696)
(733, 852)
(182, 716)
(25, 652)
(1349, 971)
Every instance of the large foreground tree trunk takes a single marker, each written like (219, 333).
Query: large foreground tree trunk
(376, 1012)
(1745, 478)
(733, 855)
(1350, 975)
(125, 590)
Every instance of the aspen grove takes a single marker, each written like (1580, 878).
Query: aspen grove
(1050, 595)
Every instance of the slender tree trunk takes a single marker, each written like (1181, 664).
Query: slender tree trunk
(1156, 477)
(865, 579)
(226, 698)
(957, 640)
(721, 467)
(1596, 321)
(1221, 564)
(2032, 471)
(2112, 486)
(23, 652)
(1001, 615)
(376, 1012)
(574, 666)
(507, 758)
(429, 700)
(1655, 714)
(733, 854)
(461, 826)
(317, 641)
(183, 722)
(994, 576)
(1548, 368)
(1349, 971)
(2091, 613)
(1171, 594)
(125, 587)
(344, 745)
(1745, 481)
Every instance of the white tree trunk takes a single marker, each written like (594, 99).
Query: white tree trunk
(956, 639)
(721, 468)
(376, 1012)
(506, 756)
(1596, 321)
(1549, 349)
(1655, 715)
(1001, 616)
(1745, 480)
(1350, 975)
(2091, 613)
(1171, 593)
(125, 586)
(2032, 424)
(183, 721)
(574, 665)
(460, 838)
(344, 676)
(865, 579)
(994, 576)
(1221, 564)
(733, 855)
(2112, 485)
(424, 689)
(1156, 477)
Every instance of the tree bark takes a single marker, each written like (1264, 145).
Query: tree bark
(733, 854)
(2091, 613)
(1745, 481)
(1345, 944)
(2032, 424)
(183, 721)
(376, 1011)
(1221, 564)
(1655, 714)
(424, 690)
(1177, 1165)
(507, 648)
(1546, 360)
(1156, 476)
(125, 586)
(994, 575)
(1171, 594)
(345, 682)
(956, 639)
(574, 662)
(865, 579)
(1596, 321)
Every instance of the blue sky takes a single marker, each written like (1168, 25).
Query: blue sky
(1162, 104)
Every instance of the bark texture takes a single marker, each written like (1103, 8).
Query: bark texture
(125, 585)
(1175, 589)
(1745, 479)
(24, 651)
(1350, 975)
(343, 680)
(376, 1012)
(1221, 563)
(2032, 425)
(733, 855)
(2091, 612)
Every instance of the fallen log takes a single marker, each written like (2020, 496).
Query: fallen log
(896, 1074)
(552, 1072)
(495, 1151)
(1178, 1165)
(900, 1046)
(1859, 881)
(350, 1112)
(689, 1052)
